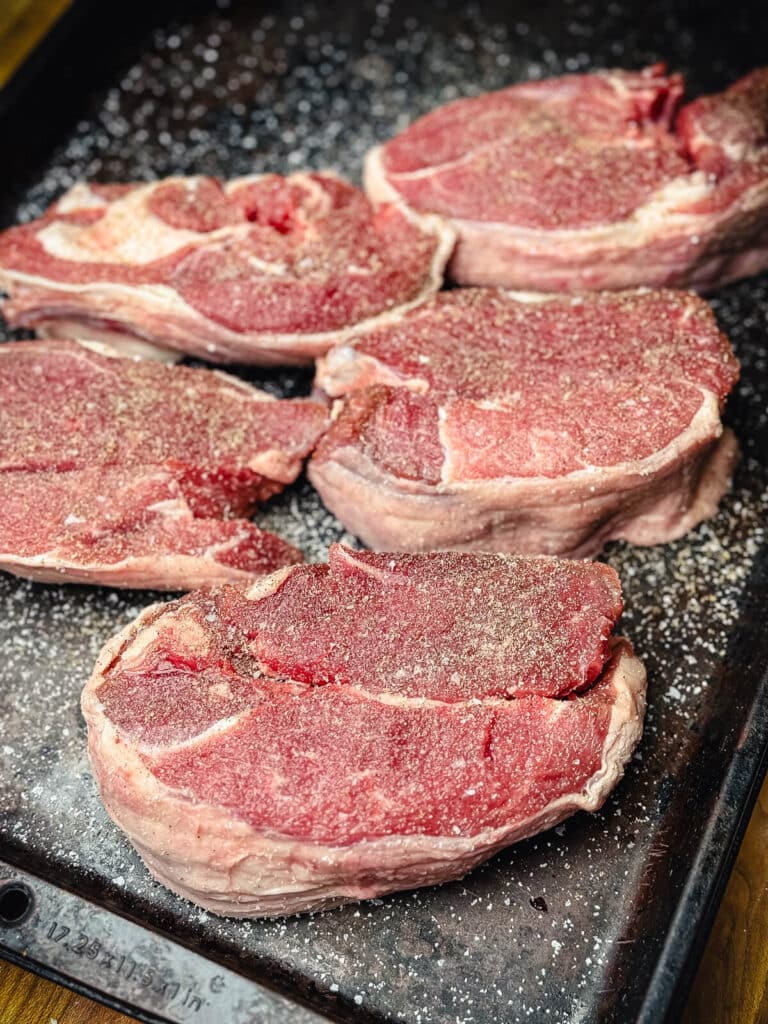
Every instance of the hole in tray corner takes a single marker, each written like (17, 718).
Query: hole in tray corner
(16, 901)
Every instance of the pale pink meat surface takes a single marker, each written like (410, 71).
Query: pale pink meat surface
(487, 419)
(592, 181)
(133, 473)
(266, 269)
(346, 730)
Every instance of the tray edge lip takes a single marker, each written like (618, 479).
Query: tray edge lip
(691, 923)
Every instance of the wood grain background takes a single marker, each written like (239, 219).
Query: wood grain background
(23, 23)
(731, 986)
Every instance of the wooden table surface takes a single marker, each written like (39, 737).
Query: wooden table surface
(731, 986)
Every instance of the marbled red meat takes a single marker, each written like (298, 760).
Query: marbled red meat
(346, 730)
(591, 181)
(487, 420)
(256, 270)
(133, 473)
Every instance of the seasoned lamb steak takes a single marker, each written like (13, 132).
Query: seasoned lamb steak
(136, 474)
(346, 730)
(492, 421)
(263, 269)
(591, 181)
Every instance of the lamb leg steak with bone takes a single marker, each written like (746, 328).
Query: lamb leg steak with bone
(342, 731)
(591, 181)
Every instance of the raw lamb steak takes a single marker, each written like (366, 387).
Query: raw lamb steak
(137, 474)
(346, 730)
(262, 269)
(590, 181)
(509, 423)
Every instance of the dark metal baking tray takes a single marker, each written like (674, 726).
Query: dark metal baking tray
(600, 920)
